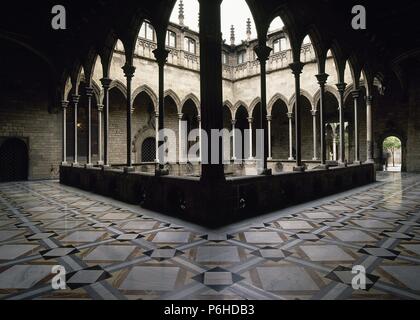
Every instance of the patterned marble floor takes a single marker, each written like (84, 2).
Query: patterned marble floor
(112, 250)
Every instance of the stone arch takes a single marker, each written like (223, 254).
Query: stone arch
(230, 106)
(149, 91)
(328, 89)
(303, 93)
(120, 86)
(194, 99)
(170, 93)
(273, 100)
(239, 104)
(253, 104)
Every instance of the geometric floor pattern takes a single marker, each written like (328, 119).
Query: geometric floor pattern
(111, 250)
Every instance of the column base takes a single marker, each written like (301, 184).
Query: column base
(106, 167)
(88, 165)
(64, 163)
(370, 161)
(299, 169)
(315, 159)
(100, 163)
(291, 159)
(161, 172)
(342, 164)
(75, 164)
(129, 169)
(323, 167)
(358, 163)
(266, 172)
(269, 159)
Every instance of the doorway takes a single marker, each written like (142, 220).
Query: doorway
(392, 154)
(13, 160)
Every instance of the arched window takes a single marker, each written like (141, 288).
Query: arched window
(171, 39)
(225, 58)
(148, 150)
(279, 45)
(241, 57)
(147, 32)
(189, 45)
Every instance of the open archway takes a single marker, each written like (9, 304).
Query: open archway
(392, 154)
(14, 160)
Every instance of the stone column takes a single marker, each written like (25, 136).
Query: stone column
(263, 53)
(334, 145)
(75, 99)
(89, 94)
(129, 74)
(297, 70)
(356, 96)
(369, 137)
(251, 151)
(180, 142)
(100, 155)
(106, 83)
(314, 127)
(211, 85)
(199, 136)
(233, 139)
(64, 105)
(157, 137)
(322, 80)
(270, 154)
(342, 153)
(290, 116)
(161, 56)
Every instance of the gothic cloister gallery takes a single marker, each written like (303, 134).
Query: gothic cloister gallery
(108, 160)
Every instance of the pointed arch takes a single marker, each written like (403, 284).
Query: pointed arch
(170, 93)
(237, 105)
(253, 104)
(303, 93)
(120, 86)
(230, 106)
(273, 100)
(194, 99)
(149, 91)
(329, 89)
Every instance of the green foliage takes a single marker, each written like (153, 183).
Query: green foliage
(392, 144)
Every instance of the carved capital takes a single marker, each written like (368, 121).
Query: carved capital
(100, 107)
(296, 67)
(233, 122)
(161, 55)
(64, 104)
(263, 52)
(106, 82)
(129, 71)
(89, 92)
(290, 115)
(356, 94)
(314, 113)
(322, 78)
(75, 98)
(341, 87)
(250, 120)
(269, 118)
(180, 116)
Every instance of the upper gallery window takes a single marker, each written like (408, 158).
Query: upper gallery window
(171, 39)
(189, 45)
(241, 57)
(147, 31)
(279, 45)
(225, 58)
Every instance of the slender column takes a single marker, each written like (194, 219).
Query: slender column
(369, 138)
(270, 154)
(297, 70)
(334, 146)
(106, 83)
(342, 153)
(129, 74)
(211, 85)
(356, 96)
(180, 142)
(263, 53)
(314, 127)
(161, 56)
(64, 105)
(322, 80)
(75, 99)
(157, 137)
(290, 116)
(234, 139)
(100, 154)
(89, 94)
(199, 136)
(251, 151)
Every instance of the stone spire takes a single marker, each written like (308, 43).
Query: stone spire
(181, 13)
(232, 35)
(248, 29)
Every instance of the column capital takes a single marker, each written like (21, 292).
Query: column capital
(180, 116)
(263, 52)
(156, 114)
(314, 112)
(129, 71)
(290, 115)
(233, 122)
(269, 118)
(322, 78)
(75, 98)
(356, 94)
(296, 67)
(100, 107)
(64, 104)
(341, 87)
(161, 55)
(250, 119)
(199, 117)
(89, 92)
(106, 82)
(369, 99)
